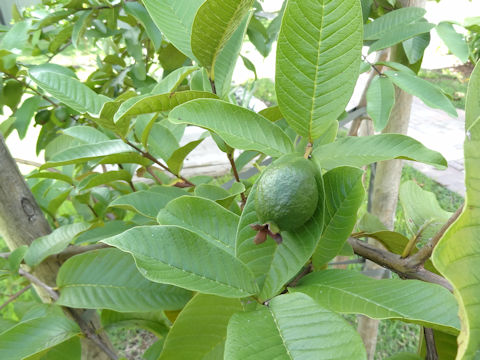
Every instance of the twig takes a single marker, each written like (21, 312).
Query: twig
(15, 296)
(347, 262)
(426, 251)
(34, 280)
(395, 263)
(149, 156)
(236, 176)
(305, 271)
(76, 250)
(151, 172)
(430, 344)
(373, 66)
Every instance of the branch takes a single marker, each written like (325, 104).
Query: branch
(34, 280)
(396, 264)
(149, 156)
(432, 353)
(426, 251)
(76, 250)
(15, 296)
(237, 177)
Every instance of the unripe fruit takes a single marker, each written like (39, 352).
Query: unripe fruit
(287, 194)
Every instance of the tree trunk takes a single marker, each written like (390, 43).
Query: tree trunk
(386, 184)
(21, 222)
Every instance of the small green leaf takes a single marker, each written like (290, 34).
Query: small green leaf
(146, 104)
(68, 90)
(454, 41)
(170, 82)
(350, 292)
(214, 24)
(200, 330)
(146, 202)
(104, 178)
(16, 257)
(137, 10)
(399, 34)
(364, 150)
(174, 18)
(175, 162)
(292, 326)
(376, 29)
(24, 115)
(204, 217)
(42, 333)
(380, 101)
(318, 61)
(238, 127)
(174, 255)
(53, 243)
(51, 175)
(84, 153)
(430, 94)
(109, 279)
(344, 195)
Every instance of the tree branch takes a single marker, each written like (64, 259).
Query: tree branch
(237, 177)
(34, 280)
(149, 156)
(426, 251)
(396, 264)
(15, 296)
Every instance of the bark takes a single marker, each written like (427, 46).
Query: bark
(21, 222)
(387, 182)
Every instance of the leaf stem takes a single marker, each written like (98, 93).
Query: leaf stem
(15, 296)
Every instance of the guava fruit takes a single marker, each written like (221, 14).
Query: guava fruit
(287, 195)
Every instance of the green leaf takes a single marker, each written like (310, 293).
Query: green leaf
(227, 59)
(454, 41)
(405, 356)
(174, 18)
(200, 330)
(457, 253)
(430, 94)
(24, 115)
(51, 175)
(170, 82)
(273, 265)
(104, 178)
(415, 47)
(423, 215)
(377, 28)
(204, 217)
(146, 202)
(16, 37)
(174, 255)
(16, 257)
(350, 292)
(87, 134)
(220, 195)
(53, 243)
(109, 279)
(360, 151)
(153, 321)
(83, 153)
(380, 100)
(80, 26)
(146, 104)
(125, 158)
(292, 326)
(70, 349)
(103, 231)
(160, 141)
(69, 91)
(318, 62)
(42, 333)
(175, 162)
(138, 11)
(344, 195)
(240, 128)
(214, 24)
(399, 34)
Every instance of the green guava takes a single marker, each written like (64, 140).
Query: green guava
(287, 194)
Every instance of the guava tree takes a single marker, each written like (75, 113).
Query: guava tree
(109, 231)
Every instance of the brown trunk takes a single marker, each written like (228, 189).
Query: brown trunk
(386, 185)
(21, 222)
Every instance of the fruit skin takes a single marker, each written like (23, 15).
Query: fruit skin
(287, 193)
